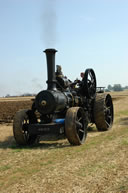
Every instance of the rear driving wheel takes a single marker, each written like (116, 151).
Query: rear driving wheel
(103, 112)
(76, 125)
(20, 127)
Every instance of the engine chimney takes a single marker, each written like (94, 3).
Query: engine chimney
(50, 57)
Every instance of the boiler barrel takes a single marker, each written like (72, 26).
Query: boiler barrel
(50, 101)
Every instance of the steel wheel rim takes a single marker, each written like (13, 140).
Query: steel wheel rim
(80, 125)
(108, 111)
(76, 125)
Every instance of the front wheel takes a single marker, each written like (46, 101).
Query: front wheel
(76, 125)
(20, 123)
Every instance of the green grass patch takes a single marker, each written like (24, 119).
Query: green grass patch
(121, 113)
(89, 169)
(92, 128)
(123, 188)
(4, 168)
(124, 142)
(17, 150)
(1, 184)
(49, 162)
(27, 171)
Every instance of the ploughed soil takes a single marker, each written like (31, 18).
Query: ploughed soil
(8, 107)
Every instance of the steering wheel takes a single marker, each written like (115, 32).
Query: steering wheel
(89, 83)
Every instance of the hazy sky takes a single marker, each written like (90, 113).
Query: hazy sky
(86, 33)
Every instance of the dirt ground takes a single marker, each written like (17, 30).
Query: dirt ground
(98, 166)
(9, 106)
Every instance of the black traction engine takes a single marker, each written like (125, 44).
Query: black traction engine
(65, 108)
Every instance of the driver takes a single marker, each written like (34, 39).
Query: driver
(82, 75)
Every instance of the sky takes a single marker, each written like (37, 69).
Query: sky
(86, 33)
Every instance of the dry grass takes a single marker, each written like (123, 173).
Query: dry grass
(98, 166)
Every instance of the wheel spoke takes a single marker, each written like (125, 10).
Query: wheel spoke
(90, 74)
(80, 130)
(26, 135)
(107, 123)
(79, 125)
(109, 107)
(79, 119)
(109, 116)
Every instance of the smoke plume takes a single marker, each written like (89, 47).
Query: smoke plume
(49, 20)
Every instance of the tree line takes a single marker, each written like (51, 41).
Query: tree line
(116, 87)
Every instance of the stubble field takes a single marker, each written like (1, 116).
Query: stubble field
(98, 166)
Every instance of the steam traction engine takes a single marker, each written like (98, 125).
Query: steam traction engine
(64, 108)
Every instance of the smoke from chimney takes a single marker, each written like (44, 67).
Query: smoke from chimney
(49, 23)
